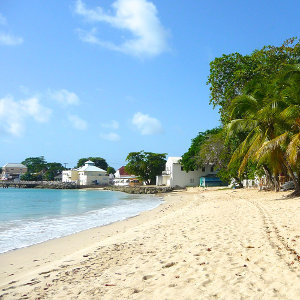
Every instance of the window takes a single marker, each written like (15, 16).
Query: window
(192, 180)
(203, 169)
(212, 169)
(181, 168)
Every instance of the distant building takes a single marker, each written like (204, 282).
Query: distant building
(122, 178)
(174, 175)
(13, 171)
(88, 174)
(70, 176)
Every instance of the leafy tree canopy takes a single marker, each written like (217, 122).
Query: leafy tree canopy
(31, 177)
(39, 169)
(191, 159)
(146, 165)
(110, 170)
(35, 164)
(99, 162)
(53, 169)
(230, 73)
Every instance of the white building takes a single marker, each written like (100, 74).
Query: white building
(174, 175)
(13, 171)
(89, 174)
(122, 178)
(70, 176)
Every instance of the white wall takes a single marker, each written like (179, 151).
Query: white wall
(69, 176)
(181, 178)
(163, 180)
(121, 181)
(88, 178)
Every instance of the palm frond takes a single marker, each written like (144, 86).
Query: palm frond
(293, 149)
(271, 145)
(239, 125)
(243, 147)
(252, 149)
(290, 113)
(242, 104)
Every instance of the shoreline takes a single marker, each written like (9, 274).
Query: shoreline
(43, 228)
(60, 247)
(227, 244)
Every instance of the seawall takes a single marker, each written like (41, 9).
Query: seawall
(144, 189)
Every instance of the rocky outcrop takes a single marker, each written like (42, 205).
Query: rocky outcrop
(140, 189)
(57, 186)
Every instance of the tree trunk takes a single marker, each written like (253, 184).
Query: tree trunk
(270, 181)
(296, 181)
(277, 184)
(238, 182)
(294, 178)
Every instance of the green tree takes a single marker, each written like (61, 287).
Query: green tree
(145, 165)
(35, 164)
(99, 162)
(110, 170)
(31, 177)
(231, 73)
(269, 112)
(191, 160)
(53, 169)
(27, 177)
(287, 89)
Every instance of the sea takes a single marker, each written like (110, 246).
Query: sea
(31, 216)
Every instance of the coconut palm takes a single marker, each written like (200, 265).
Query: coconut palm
(289, 137)
(269, 112)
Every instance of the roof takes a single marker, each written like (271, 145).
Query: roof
(123, 172)
(14, 165)
(89, 168)
(174, 159)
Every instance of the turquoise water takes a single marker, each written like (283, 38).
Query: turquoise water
(30, 216)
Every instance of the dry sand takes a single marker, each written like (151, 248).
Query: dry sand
(229, 244)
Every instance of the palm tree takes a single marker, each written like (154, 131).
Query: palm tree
(289, 139)
(270, 114)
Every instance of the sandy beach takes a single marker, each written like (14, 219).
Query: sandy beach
(216, 244)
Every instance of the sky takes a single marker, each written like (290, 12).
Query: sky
(104, 78)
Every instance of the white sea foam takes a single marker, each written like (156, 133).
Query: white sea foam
(22, 233)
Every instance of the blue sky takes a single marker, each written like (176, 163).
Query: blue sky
(104, 78)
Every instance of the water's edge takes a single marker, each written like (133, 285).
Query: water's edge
(24, 233)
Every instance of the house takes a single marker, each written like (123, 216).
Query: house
(88, 174)
(122, 178)
(70, 175)
(174, 175)
(12, 171)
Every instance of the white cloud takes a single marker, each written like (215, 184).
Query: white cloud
(77, 122)
(13, 114)
(34, 109)
(111, 136)
(111, 125)
(10, 40)
(138, 17)
(65, 97)
(146, 125)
